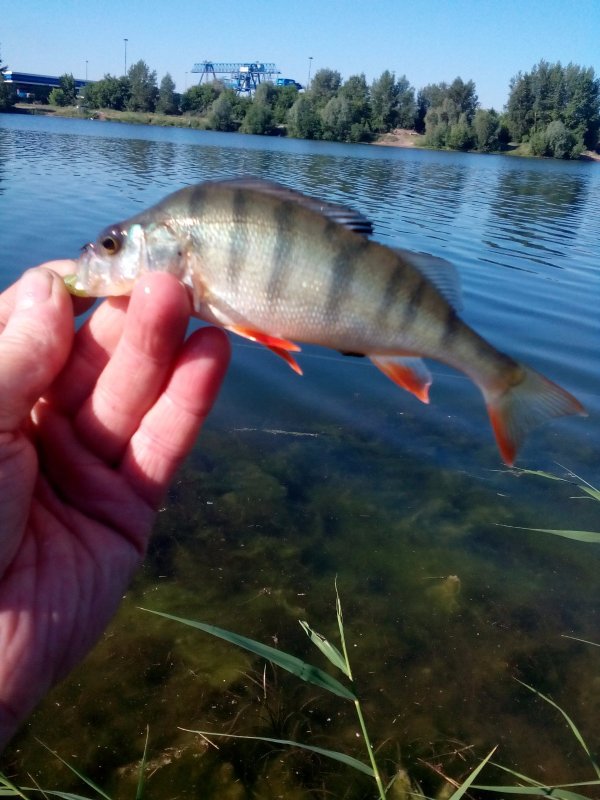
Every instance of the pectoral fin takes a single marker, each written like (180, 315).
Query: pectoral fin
(409, 373)
(281, 347)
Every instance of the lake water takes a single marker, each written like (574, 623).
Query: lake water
(298, 480)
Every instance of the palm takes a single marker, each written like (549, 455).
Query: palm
(92, 465)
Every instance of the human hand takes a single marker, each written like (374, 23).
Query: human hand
(93, 425)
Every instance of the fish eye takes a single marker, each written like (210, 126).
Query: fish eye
(111, 242)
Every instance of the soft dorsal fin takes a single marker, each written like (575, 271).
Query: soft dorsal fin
(440, 272)
(343, 215)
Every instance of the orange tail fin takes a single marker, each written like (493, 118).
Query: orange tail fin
(525, 406)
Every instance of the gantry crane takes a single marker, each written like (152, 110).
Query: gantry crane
(245, 76)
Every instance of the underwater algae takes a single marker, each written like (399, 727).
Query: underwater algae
(442, 610)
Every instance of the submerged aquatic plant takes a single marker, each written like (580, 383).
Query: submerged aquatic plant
(399, 785)
(8, 789)
(592, 537)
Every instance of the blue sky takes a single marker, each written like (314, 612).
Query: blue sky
(488, 41)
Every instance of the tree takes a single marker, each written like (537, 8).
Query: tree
(384, 102)
(555, 141)
(65, 94)
(356, 94)
(324, 86)
(486, 129)
(228, 111)
(553, 93)
(429, 96)
(144, 92)
(303, 120)
(265, 94)
(285, 97)
(464, 96)
(166, 102)
(406, 104)
(258, 119)
(519, 108)
(198, 99)
(336, 120)
(392, 103)
(460, 135)
(110, 92)
(581, 111)
(7, 95)
(561, 142)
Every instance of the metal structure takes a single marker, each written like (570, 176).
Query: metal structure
(244, 76)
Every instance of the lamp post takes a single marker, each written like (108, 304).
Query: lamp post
(86, 63)
(310, 58)
(125, 41)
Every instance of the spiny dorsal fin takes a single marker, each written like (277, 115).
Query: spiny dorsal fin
(438, 271)
(348, 217)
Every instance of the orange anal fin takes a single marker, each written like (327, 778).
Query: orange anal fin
(279, 351)
(281, 347)
(409, 373)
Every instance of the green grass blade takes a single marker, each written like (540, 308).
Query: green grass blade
(541, 473)
(577, 639)
(349, 761)
(307, 672)
(9, 789)
(466, 784)
(329, 650)
(591, 490)
(570, 723)
(64, 795)
(590, 537)
(80, 775)
(536, 791)
(141, 778)
(340, 620)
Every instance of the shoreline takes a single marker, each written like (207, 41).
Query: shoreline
(403, 137)
(399, 137)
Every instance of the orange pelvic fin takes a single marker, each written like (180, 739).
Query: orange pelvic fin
(281, 347)
(409, 373)
(524, 406)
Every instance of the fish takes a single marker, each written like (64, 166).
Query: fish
(279, 267)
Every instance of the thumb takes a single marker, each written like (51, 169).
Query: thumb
(34, 345)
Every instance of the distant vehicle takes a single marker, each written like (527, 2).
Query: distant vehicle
(288, 82)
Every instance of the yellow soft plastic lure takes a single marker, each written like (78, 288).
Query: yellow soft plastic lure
(70, 282)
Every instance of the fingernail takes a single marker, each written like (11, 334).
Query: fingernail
(35, 287)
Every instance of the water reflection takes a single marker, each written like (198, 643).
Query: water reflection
(536, 213)
(297, 481)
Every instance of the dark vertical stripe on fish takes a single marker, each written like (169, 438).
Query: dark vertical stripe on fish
(282, 266)
(452, 324)
(392, 289)
(414, 302)
(239, 209)
(344, 270)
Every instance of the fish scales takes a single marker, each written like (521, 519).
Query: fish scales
(277, 267)
(322, 273)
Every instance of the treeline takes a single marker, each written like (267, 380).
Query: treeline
(556, 109)
(7, 95)
(551, 111)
